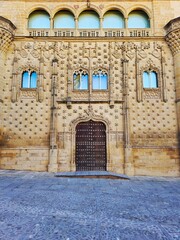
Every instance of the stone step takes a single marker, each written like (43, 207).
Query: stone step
(92, 174)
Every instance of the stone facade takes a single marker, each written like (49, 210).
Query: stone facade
(38, 126)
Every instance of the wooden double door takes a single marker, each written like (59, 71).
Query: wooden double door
(91, 146)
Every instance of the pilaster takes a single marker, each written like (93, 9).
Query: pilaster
(53, 165)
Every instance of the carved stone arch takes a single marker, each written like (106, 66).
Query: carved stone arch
(151, 92)
(156, 70)
(150, 67)
(101, 70)
(91, 8)
(88, 117)
(140, 7)
(78, 68)
(25, 68)
(28, 67)
(85, 118)
(37, 7)
(61, 8)
(115, 7)
(100, 67)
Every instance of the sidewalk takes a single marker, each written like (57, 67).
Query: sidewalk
(40, 206)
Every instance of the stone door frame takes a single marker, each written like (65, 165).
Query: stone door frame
(87, 118)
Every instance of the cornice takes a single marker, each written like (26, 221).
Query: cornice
(95, 39)
(7, 24)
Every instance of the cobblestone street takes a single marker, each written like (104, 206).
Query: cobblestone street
(40, 206)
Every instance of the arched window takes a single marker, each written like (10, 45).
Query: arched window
(80, 80)
(150, 79)
(29, 79)
(138, 19)
(89, 19)
(64, 19)
(113, 19)
(100, 80)
(39, 19)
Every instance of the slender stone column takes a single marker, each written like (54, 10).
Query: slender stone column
(53, 165)
(173, 41)
(128, 161)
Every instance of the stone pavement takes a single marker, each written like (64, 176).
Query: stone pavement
(40, 206)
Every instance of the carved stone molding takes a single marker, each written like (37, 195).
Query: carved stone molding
(80, 95)
(173, 35)
(31, 94)
(7, 30)
(96, 95)
(89, 114)
(152, 94)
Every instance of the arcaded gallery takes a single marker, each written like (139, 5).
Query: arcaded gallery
(90, 86)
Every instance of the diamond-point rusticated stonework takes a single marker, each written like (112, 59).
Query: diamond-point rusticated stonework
(173, 35)
(125, 79)
(7, 31)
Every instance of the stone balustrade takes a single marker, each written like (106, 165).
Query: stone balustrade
(145, 32)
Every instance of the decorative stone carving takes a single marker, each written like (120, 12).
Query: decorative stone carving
(7, 30)
(90, 115)
(23, 51)
(173, 35)
(28, 94)
(158, 67)
(80, 95)
(60, 49)
(99, 96)
(150, 65)
(89, 51)
(151, 94)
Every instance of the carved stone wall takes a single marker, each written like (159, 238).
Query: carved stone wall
(151, 114)
(39, 124)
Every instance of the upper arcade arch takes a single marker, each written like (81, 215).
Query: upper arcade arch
(138, 7)
(114, 8)
(88, 19)
(85, 8)
(110, 21)
(63, 7)
(138, 19)
(37, 7)
(146, 12)
(113, 19)
(64, 19)
(39, 18)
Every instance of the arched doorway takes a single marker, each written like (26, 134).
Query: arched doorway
(91, 146)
